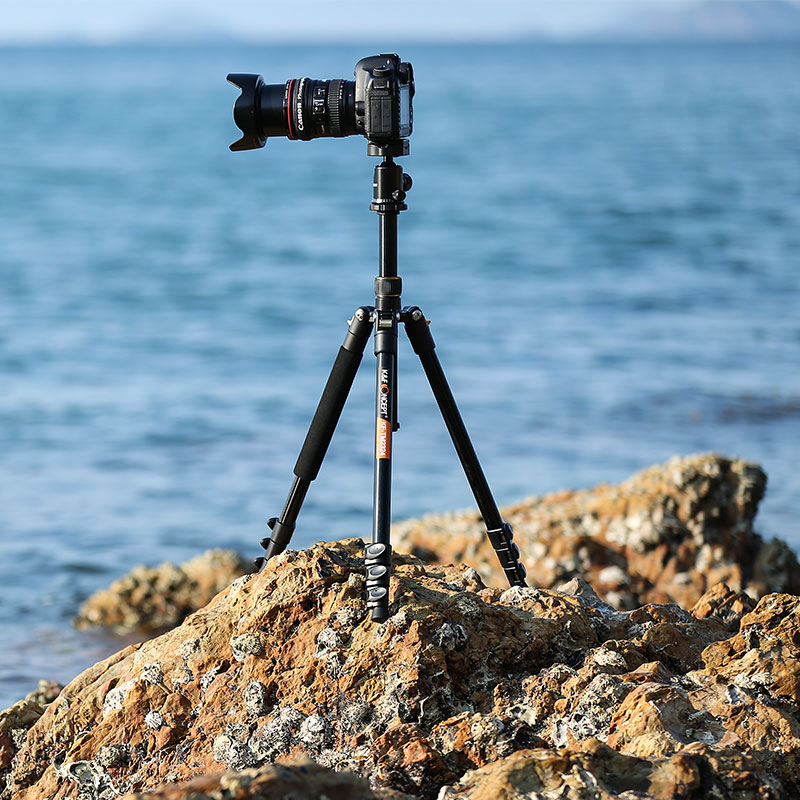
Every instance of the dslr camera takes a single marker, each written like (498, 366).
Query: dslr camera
(377, 105)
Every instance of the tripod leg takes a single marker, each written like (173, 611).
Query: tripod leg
(321, 431)
(499, 532)
(378, 554)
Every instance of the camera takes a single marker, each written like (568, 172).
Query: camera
(377, 105)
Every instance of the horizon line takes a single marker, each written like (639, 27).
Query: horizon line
(402, 40)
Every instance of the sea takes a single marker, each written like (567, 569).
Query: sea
(606, 239)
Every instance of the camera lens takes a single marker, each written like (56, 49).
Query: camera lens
(319, 108)
(301, 108)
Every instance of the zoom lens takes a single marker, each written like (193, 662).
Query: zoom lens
(319, 108)
(301, 108)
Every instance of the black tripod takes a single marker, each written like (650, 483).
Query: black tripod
(389, 191)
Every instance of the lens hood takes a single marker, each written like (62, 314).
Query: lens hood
(246, 112)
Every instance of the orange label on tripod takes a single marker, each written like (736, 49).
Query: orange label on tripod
(383, 439)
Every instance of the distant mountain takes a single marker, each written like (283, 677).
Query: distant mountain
(711, 20)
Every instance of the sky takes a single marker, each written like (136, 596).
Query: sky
(107, 21)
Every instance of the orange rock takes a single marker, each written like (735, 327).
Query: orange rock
(154, 599)
(464, 692)
(598, 772)
(667, 534)
(300, 779)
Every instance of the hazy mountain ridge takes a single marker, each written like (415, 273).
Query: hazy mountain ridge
(711, 20)
(626, 21)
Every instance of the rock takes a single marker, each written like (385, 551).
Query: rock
(151, 600)
(750, 683)
(667, 534)
(300, 779)
(14, 725)
(595, 771)
(724, 604)
(463, 692)
(45, 693)
(16, 721)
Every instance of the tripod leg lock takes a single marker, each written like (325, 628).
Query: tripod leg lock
(502, 540)
(417, 329)
(275, 544)
(378, 563)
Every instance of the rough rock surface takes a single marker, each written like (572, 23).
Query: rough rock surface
(667, 534)
(595, 770)
(19, 718)
(547, 693)
(154, 599)
(301, 779)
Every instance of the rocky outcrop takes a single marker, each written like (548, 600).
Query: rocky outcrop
(597, 772)
(16, 721)
(300, 779)
(151, 600)
(462, 690)
(667, 534)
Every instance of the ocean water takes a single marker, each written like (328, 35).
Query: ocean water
(606, 239)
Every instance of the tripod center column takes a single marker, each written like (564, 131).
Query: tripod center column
(388, 196)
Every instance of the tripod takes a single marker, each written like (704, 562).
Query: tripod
(390, 185)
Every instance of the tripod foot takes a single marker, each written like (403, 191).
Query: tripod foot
(502, 540)
(275, 544)
(378, 562)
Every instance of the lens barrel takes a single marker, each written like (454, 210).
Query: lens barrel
(318, 108)
(301, 108)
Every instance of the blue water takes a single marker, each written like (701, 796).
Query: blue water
(606, 239)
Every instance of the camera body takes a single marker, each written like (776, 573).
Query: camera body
(376, 105)
(384, 90)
